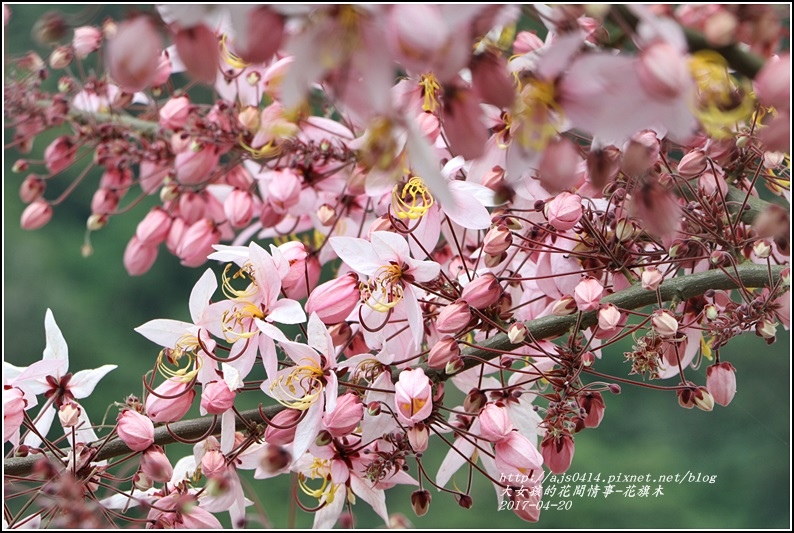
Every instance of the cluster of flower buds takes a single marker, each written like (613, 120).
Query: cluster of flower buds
(502, 212)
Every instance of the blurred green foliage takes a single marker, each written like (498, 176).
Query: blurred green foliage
(747, 445)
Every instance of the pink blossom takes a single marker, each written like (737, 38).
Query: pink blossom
(133, 54)
(59, 154)
(651, 278)
(196, 243)
(609, 318)
(665, 324)
(139, 256)
(334, 300)
(588, 294)
(516, 454)
(564, 211)
(216, 397)
(86, 40)
(721, 382)
(692, 164)
(497, 240)
(154, 227)
(197, 47)
(174, 114)
(13, 413)
(773, 83)
(454, 317)
(412, 396)
(156, 466)
(557, 452)
(285, 432)
(195, 164)
(239, 208)
(482, 292)
(442, 352)
(136, 430)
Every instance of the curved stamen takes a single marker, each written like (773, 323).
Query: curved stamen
(299, 389)
(385, 289)
(413, 201)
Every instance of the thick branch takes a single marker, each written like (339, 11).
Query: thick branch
(635, 297)
(186, 429)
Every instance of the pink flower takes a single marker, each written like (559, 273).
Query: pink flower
(773, 83)
(197, 47)
(588, 294)
(454, 317)
(13, 413)
(345, 417)
(170, 401)
(516, 454)
(651, 278)
(139, 256)
(239, 208)
(721, 382)
(133, 54)
(413, 396)
(285, 432)
(59, 154)
(156, 465)
(334, 300)
(86, 40)
(564, 211)
(608, 317)
(175, 112)
(665, 324)
(136, 430)
(442, 352)
(195, 164)
(154, 227)
(196, 243)
(495, 423)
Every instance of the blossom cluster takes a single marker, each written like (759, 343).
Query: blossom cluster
(434, 225)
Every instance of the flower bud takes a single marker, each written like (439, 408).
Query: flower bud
(285, 433)
(59, 154)
(175, 112)
(345, 417)
(454, 366)
(274, 459)
(420, 502)
(334, 300)
(239, 208)
(475, 400)
(692, 164)
(557, 452)
(588, 294)
(61, 58)
(564, 306)
(373, 408)
(608, 318)
(36, 215)
(142, 482)
(762, 249)
(442, 352)
(593, 404)
(133, 54)
(69, 414)
(139, 257)
(31, 189)
(213, 464)
(196, 243)
(517, 333)
(495, 423)
(87, 39)
(651, 278)
(135, 430)
(721, 382)
(155, 465)
(482, 292)
(766, 329)
(418, 437)
(217, 398)
(665, 324)
(170, 401)
(703, 399)
(564, 211)
(154, 227)
(497, 240)
(526, 41)
(454, 317)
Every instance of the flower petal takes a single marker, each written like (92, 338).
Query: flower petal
(358, 254)
(83, 382)
(56, 347)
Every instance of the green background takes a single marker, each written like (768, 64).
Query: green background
(747, 445)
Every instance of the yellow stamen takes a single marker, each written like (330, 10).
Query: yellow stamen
(705, 347)
(430, 90)
(320, 468)
(270, 149)
(385, 289)
(539, 113)
(245, 272)
(308, 378)
(413, 201)
(187, 346)
(230, 58)
(723, 100)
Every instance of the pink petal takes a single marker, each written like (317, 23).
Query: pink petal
(83, 382)
(358, 254)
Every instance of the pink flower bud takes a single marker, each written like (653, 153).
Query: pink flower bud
(196, 243)
(265, 34)
(517, 333)
(593, 404)
(69, 414)
(721, 382)
(135, 430)
(418, 437)
(285, 189)
(198, 49)
(285, 432)
(239, 208)
(141, 481)
(155, 465)
(608, 317)
(442, 352)
(216, 398)
(662, 71)
(491, 79)
(151, 176)
(139, 256)
(154, 227)
(709, 183)
(762, 249)
(304, 268)
(564, 306)
(175, 112)
(692, 164)
(603, 165)
(516, 454)
(454, 317)
(588, 294)
(557, 452)
(564, 211)
(213, 464)
(31, 189)
(59, 154)
(239, 178)
(36, 215)
(482, 292)
(345, 417)
(766, 329)
(526, 41)
(420, 501)
(703, 399)
(170, 401)
(559, 166)
(133, 54)
(61, 57)
(651, 278)
(194, 165)
(86, 40)
(495, 423)
(412, 396)
(334, 300)
(665, 324)
(773, 83)
(497, 240)
(104, 202)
